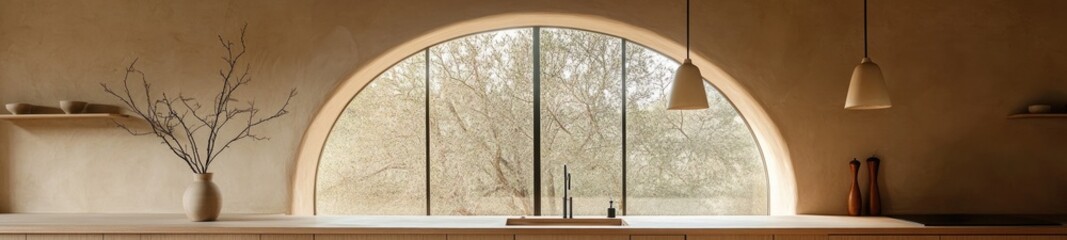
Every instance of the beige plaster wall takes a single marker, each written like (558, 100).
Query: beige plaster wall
(956, 68)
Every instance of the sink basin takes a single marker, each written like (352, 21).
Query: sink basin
(539, 221)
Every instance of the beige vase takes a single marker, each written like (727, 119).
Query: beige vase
(202, 200)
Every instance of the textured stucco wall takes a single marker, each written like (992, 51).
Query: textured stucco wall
(955, 68)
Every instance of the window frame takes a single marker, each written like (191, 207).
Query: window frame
(537, 99)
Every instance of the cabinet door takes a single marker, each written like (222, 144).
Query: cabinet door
(657, 237)
(65, 237)
(572, 237)
(122, 237)
(199, 237)
(895, 237)
(800, 237)
(480, 237)
(1007, 237)
(730, 237)
(285, 237)
(378, 237)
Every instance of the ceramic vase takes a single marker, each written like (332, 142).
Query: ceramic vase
(202, 199)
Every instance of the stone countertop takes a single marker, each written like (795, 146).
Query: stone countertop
(285, 224)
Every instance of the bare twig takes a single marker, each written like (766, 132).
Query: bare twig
(178, 120)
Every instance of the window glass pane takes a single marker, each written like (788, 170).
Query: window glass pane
(693, 162)
(374, 161)
(481, 125)
(581, 119)
(700, 162)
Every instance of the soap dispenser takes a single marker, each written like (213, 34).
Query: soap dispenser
(611, 208)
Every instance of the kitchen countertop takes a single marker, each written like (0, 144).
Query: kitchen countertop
(284, 224)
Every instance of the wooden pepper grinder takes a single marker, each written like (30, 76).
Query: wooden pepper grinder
(855, 201)
(874, 207)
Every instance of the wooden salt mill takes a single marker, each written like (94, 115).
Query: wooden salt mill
(874, 207)
(855, 201)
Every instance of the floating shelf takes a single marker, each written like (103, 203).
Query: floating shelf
(1038, 115)
(83, 116)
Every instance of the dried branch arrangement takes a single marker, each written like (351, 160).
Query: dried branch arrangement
(190, 131)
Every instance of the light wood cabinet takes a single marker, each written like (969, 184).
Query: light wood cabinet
(572, 237)
(800, 237)
(122, 237)
(379, 237)
(657, 237)
(1006, 237)
(65, 237)
(284, 237)
(886, 237)
(559, 236)
(199, 237)
(730, 237)
(479, 237)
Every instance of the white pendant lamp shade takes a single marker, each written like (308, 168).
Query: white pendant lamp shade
(867, 89)
(687, 89)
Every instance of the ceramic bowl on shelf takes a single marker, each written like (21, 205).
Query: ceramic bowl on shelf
(1039, 108)
(72, 107)
(18, 108)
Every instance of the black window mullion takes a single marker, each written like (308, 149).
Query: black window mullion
(426, 113)
(622, 204)
(537, 120)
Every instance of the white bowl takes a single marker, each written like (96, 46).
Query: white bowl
(18, 108)
(72, 107)
(1039, 108)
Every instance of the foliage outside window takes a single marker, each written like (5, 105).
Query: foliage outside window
(602, 110)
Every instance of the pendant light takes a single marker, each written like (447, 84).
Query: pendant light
(687, 89)
(867, 89)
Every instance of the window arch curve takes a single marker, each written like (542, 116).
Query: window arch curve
(552, 106)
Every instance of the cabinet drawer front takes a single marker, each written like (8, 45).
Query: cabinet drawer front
(122, 237)
(1006, 237)
(730, 237)
(65, 237)
(200, 237)
(572, 237)
(894, 237)
(378, 237)
(286, 237)
(662, 237)
(800, 237)
(480, 237)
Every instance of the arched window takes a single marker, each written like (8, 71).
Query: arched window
(483, 124)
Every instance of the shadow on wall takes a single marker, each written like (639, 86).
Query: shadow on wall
(5, 169)
(90, 108)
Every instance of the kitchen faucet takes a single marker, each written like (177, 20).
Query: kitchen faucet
(568, 201)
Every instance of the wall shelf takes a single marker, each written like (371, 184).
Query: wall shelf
(79, 116)
(1037, 115)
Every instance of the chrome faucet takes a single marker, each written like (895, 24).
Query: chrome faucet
(568, 201)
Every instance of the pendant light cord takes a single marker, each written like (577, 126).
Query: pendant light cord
(864, 29)
(687, 28)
